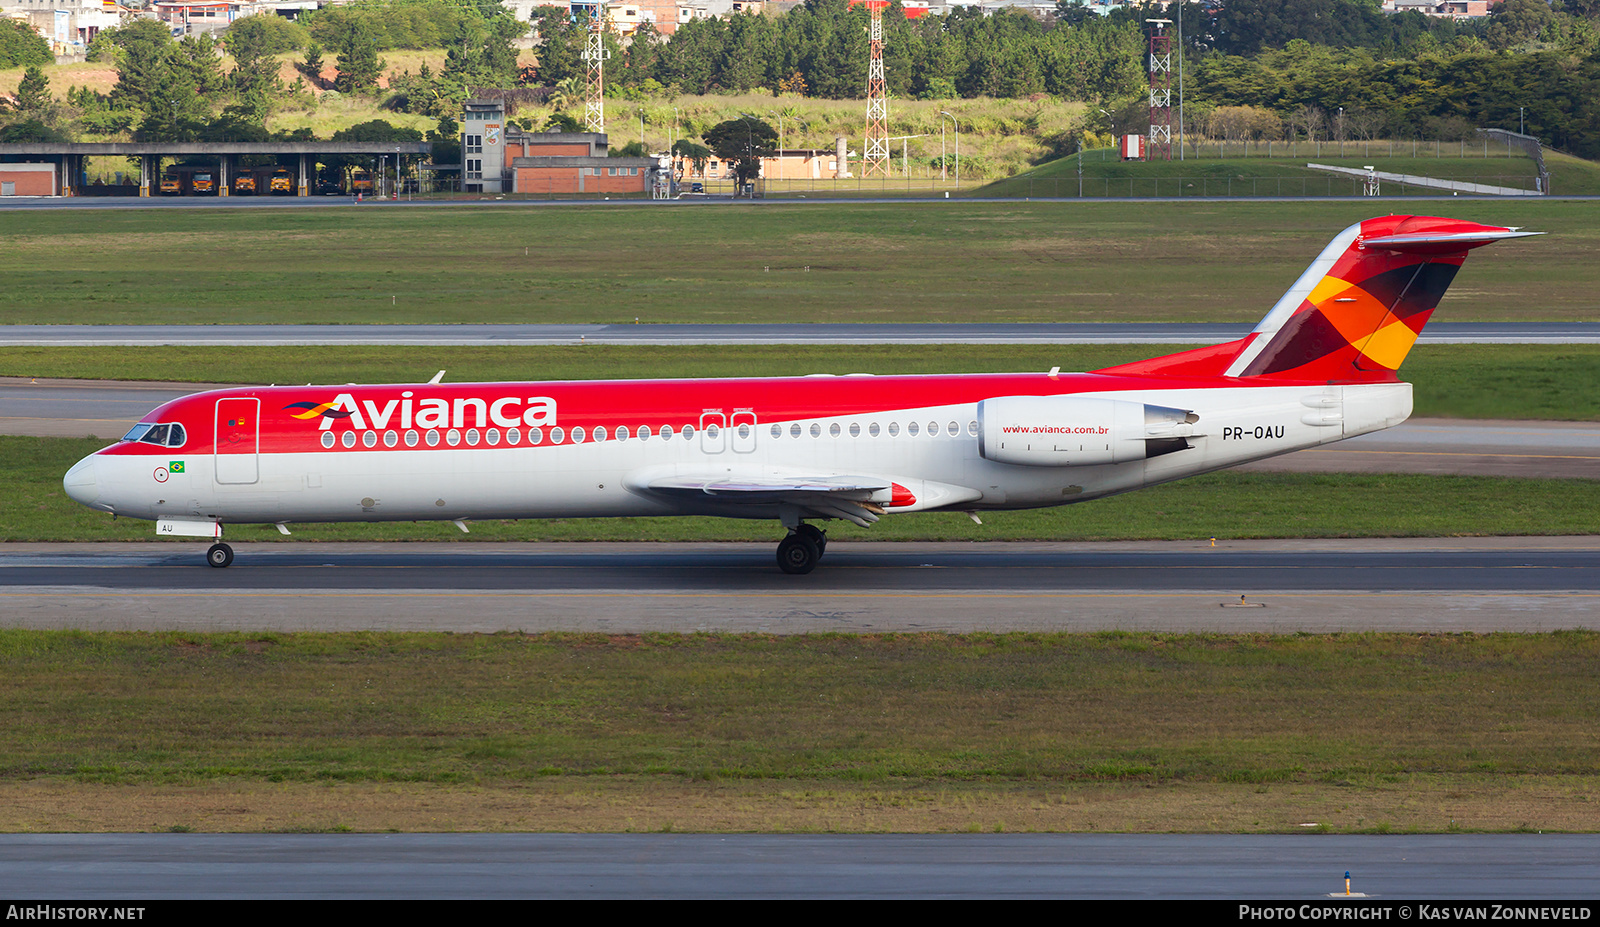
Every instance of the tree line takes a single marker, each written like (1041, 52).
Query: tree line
(819, 49)
(1253, 68)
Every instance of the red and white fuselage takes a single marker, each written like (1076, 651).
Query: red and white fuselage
(633, 448)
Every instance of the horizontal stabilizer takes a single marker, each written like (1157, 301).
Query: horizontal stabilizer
(1451, 243)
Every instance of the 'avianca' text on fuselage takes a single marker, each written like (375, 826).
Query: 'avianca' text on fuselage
(1321, 366)
(429, 412)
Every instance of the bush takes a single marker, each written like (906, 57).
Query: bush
(970, 166)
(20, 46)
(1245, 122)
(31, 130)
(268, 33)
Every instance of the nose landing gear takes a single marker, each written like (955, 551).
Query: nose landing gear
(799, 552)
(220, 555)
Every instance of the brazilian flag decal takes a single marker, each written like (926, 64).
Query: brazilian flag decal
(175, 466)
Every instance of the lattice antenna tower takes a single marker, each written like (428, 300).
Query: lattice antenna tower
(877, 147)
(595, 54)
(1160, 138)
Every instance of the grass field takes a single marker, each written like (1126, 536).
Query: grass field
(925, 262)
(1106, 732)
(1260, 175)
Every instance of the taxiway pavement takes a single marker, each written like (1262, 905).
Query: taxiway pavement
(1424, 585)
(1391, 871)
(737, 334)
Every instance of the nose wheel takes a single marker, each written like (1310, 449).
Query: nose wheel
(799, 552)
(220, 555)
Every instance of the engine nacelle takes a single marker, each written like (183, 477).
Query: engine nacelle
(1077, 431)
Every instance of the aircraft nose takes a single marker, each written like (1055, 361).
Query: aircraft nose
(81, 481)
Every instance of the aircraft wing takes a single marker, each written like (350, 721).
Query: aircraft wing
(857, 499)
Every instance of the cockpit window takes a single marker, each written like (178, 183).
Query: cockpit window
(169, 435)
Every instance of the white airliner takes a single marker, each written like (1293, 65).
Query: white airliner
(1321, 366)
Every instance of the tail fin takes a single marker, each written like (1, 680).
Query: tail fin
(1356, 311)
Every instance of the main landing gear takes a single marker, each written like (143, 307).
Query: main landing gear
(220, 555)
(800, 551)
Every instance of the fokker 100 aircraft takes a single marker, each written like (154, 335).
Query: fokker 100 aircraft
(1321, 366)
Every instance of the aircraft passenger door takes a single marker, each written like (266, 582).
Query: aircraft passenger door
(743, 426)
(237, 440)
(713, 432)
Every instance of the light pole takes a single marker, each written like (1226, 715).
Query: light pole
(1180, 98)
(642, 151)
(1522, 125)
(749, 152)
(1341, 131)
(779, 117)
(957, 127)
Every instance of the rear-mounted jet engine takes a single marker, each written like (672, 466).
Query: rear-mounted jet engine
(1072, 431)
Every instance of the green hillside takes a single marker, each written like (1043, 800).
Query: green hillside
(1104, 175)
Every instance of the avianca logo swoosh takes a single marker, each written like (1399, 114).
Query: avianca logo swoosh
(315, 409)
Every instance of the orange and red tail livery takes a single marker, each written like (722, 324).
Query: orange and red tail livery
(1356, 311)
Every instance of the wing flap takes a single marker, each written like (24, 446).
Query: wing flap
(737, 487)
(855, 499)
(776, 493)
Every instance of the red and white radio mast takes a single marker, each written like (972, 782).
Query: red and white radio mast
(594, 54)
(876, 159)
(1160, 140)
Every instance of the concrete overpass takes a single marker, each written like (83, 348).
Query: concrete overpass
(68, 157)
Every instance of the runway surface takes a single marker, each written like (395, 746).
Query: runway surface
(1063, 333)
(1392, 870)
(80, 408)
(77, 408)
(1468, 584)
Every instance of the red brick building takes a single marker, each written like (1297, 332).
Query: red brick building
(28, 180)
(501, 158)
